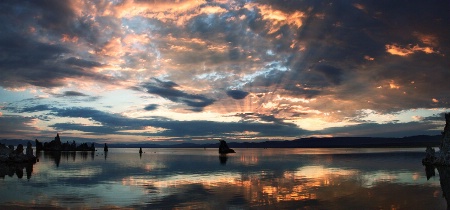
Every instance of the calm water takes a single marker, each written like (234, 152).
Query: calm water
(249, 179)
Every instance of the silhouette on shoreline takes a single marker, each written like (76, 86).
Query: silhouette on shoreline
(56, 145)
(442, 157)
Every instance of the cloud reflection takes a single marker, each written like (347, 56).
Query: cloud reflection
(251, 178)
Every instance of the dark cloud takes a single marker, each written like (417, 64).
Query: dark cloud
(331, 74)
(97, 130)
(82, 63)
(29, 108)
(151, 107)
(252, 117)
(37, 108)
(114, 123)
(73, 93)
(106, 119)
(35, 63)
(167, 90)
(12, 126)
(61, 18)
(30, 59)
(386, 130)
(237, 94)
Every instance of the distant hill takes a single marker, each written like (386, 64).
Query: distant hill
(15, 142)
(347, 142)
(313, 142)
(333, 142)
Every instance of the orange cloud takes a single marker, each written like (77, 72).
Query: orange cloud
(278, 18)
(392, 85)
(360, 6)
(394, 49)
(212, 10)
(369, 58)
(160, 9)
(427, 39)
(68, 38)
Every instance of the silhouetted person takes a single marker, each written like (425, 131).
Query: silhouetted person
(105, 148)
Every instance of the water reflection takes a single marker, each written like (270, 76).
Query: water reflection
(11, 169)
(444, 179)
(249, 179)
(223, 159)
(56, 156)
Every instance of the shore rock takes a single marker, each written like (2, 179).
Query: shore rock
(8, 155)
(57, 145)
(442, 157)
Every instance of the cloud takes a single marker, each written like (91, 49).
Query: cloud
(18, 127)
(115, 123)
(151, 107)
(298, 59)
(73, 93)
(37, 108)
(237, 94)
(82, 63)
(166, 89)
(31, 62)
(386, 130)
(397, 50)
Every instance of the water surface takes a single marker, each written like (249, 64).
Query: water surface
(248, 179)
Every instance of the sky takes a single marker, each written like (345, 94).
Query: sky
(174, 71)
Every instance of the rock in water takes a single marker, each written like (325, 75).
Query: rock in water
(9, 155)
(29, 151)
(443, 156)
(224, 149)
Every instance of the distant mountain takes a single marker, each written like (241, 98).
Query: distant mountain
(313, 142)
(15, 142)
(333, 142)
(347, 142)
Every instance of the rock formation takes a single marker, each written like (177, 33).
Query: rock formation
(56, 145)
(224, 149)
(9, 155)
(442, 157)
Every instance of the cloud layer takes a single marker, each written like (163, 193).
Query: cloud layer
(248, 69)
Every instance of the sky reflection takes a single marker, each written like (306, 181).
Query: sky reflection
(251, 178)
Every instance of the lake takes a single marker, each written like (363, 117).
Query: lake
(248, 179)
